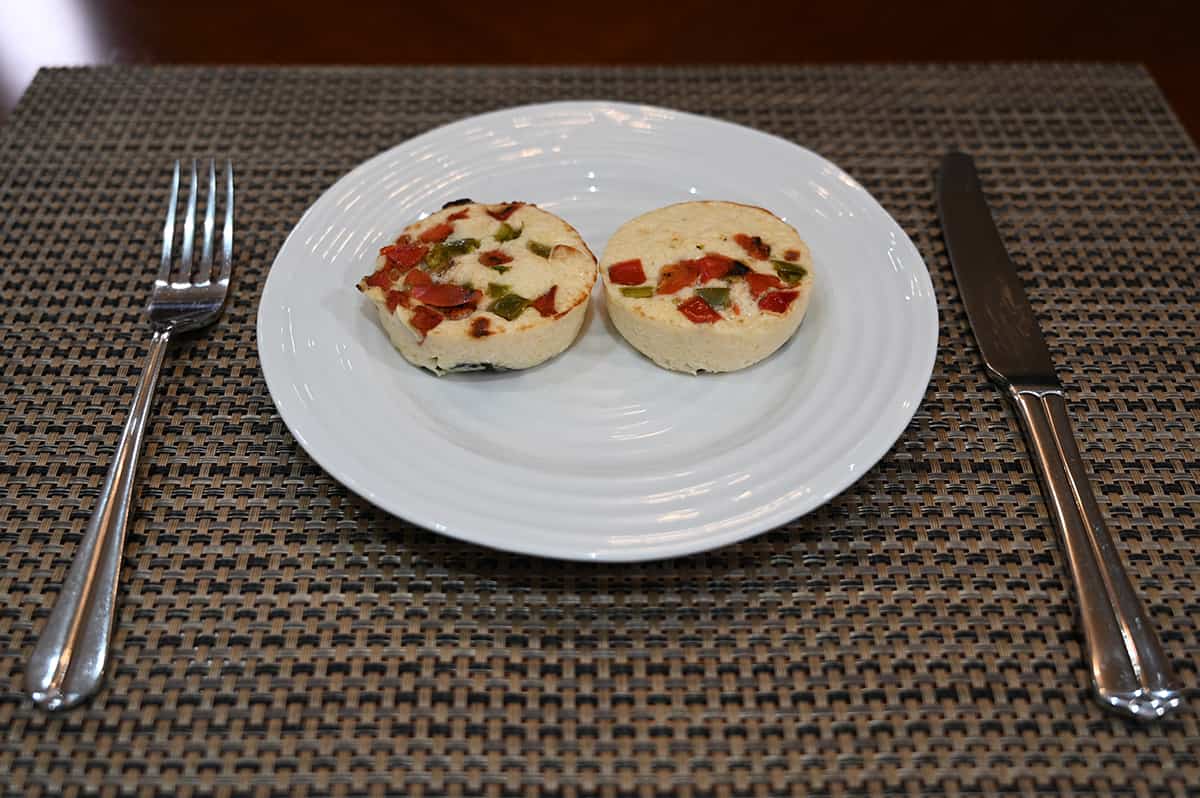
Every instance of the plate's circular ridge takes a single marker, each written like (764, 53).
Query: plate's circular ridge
(599, 454)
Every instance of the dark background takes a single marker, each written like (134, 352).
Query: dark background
(1165, 36)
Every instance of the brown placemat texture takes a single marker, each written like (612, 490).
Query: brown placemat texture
(278, 636)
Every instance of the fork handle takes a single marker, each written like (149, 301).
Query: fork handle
(1129, 669)
(68, 660)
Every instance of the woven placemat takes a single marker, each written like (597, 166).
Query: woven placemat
(278, 636)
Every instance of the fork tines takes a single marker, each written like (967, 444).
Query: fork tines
(185, 270)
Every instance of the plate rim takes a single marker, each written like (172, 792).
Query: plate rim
(644, 552)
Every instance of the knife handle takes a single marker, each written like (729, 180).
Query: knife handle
(1130, 671)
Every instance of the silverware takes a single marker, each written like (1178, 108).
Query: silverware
(1129, 669)
(68, 661)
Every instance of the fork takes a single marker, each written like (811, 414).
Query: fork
(68, 661)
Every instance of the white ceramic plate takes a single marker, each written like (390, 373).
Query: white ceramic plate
(598, 454)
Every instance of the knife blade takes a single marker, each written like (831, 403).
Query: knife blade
(1130, 671)
(1003, 322)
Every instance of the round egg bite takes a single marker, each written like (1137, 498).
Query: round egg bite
(478, 286)
(707, 286)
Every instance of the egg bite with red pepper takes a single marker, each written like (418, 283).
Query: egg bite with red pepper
(707, 286)
(478, 286)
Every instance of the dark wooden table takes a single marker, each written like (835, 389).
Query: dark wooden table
(1158, 33)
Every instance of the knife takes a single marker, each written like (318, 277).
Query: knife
(1130, 672)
